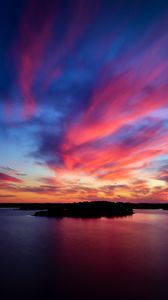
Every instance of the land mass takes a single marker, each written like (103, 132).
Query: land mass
(94, 209)
(87, 210)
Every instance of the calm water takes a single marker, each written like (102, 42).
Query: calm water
(123, 258)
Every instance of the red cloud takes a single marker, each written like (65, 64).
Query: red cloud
(163, 175)
(35, 31)
(111, 108)
(5, 177)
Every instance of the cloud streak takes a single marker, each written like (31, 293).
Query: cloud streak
(7, 178)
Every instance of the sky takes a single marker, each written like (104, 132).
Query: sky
(83, 101)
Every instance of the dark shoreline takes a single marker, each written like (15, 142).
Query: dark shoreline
(94, 209)
(42, 206)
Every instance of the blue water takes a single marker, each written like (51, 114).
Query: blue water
(121, 258)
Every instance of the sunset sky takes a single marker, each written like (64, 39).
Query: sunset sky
(83, 100)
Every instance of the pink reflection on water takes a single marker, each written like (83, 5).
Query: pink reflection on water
(119, 256)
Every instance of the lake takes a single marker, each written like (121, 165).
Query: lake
(119, 258)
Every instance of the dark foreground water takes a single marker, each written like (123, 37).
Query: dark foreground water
(123, 258)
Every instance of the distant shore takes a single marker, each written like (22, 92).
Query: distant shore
(94, 209)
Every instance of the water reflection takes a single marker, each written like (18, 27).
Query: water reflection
(84, 258)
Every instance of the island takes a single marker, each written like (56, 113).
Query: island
(94, 209)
